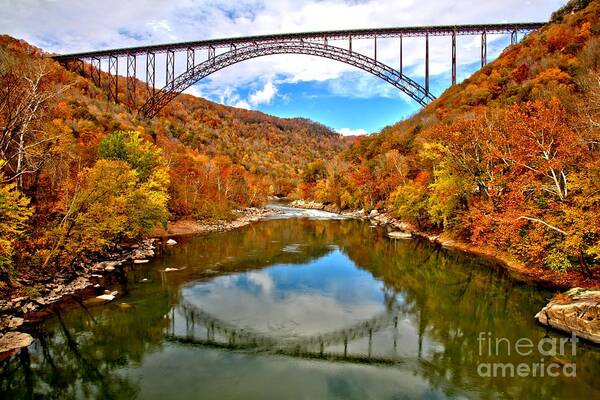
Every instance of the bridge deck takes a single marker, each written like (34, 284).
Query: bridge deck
(414, 31)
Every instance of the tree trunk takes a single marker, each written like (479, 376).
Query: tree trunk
(20, 161)
(584, 265)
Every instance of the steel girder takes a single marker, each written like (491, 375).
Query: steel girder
(217, 62)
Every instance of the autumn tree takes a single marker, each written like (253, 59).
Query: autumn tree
(14, 213)
(123, 196)
(25, 95)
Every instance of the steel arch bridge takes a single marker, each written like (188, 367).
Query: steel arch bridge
(246, 48)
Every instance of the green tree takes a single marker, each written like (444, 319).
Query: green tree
(142, 156)
(14, 213)
(123, 196)
(449, 191)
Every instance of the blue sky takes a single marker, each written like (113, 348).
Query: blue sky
(330, 92)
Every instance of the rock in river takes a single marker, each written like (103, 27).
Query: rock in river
(171, 242)
(14, 340)
(399, 235)
(577, 311)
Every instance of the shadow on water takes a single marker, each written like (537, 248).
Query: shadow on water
(297, 308)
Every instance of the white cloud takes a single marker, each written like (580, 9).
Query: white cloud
(241, 104)
(352, 132)
(263, 96)
(72, 25)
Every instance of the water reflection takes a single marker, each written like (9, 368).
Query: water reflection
(295, 308)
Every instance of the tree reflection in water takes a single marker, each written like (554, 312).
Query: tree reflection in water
(411, 307)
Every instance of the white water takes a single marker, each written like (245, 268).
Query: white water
(292, 212)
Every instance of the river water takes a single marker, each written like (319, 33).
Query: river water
(302, 306)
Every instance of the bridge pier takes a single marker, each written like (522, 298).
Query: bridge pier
(375, 44)
(113, 78)
(81, 66)
(401, 59)
(150, 74)
(427, 63)
(191, 55)
(170, 66)
(131, 80)
(454, 58)
(95, 68)
(483, 49)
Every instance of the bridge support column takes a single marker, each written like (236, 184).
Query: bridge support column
(131, 80)
(81, 67)
(375, 39)
(150, 74)
(211, 53)
(513, 37)
(483, 49)
(453, 58)
(170, 68)
(95, 70)
(113, 78)
(191, 55)
(427, 63)
(401, 56)
(350, 44)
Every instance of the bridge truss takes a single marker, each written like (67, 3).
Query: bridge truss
(244, 48)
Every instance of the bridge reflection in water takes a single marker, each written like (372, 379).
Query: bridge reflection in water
(190, 325)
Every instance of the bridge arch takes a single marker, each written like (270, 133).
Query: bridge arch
(259, 49)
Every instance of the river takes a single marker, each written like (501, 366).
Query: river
(300, 306)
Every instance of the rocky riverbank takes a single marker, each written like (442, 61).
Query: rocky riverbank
(192, 227)
(519, 270)
(576, 311)
(89, 280)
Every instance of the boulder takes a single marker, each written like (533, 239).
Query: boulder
(576, 311)
(141, 261)
(171, 242)
(373, 213)
(168, 269)
(14, 340)
(140, 254)
(11, 322)
(106, 266)
(106, 297)
(399, 235)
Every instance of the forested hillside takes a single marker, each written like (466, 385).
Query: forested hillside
(79, 173)
(510, 158)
